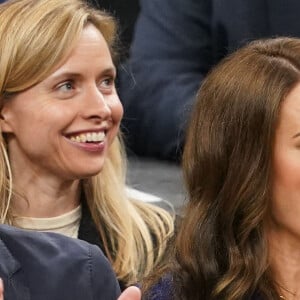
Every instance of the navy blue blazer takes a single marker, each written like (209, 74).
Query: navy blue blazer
(175, 44)
(49, 266)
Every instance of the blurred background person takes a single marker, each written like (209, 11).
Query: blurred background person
(126, 13)
(175, 44)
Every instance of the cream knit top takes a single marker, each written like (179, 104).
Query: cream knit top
(66, 224)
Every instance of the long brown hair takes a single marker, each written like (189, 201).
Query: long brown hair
(227, 166)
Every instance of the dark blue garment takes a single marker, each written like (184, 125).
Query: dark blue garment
(176, 42)
(49, 266)
(163, 290)
(126, 13)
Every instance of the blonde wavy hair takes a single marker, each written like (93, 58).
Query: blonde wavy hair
(35, 37)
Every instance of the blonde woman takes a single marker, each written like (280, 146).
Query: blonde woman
(61, 158)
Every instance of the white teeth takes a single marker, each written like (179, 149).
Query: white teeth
(95, 137)
(88, 137)
(83, 138)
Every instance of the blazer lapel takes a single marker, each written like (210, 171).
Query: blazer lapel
(10, 272)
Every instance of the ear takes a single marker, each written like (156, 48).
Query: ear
(5, 114)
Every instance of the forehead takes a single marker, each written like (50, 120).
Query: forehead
(90, 49)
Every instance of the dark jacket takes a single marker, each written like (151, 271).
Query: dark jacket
(89, 233)
(125, 13)
(175, 44)
(49, 266)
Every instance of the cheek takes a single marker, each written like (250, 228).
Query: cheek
(287, 169)
(27, 124)
(286, 185)
(116, 111)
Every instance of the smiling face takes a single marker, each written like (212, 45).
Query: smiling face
(64, 125)
(286, 177)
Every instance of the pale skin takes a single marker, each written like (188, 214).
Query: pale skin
(43, 122)
(284, 229)
(131, 293)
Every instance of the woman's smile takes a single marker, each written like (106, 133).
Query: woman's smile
(92, 141)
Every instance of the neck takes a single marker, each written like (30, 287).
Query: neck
(39, 198)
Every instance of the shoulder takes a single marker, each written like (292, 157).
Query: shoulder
(77, 269)
(43, 243)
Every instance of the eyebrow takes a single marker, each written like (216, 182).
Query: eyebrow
(296, 135)
(78, 75)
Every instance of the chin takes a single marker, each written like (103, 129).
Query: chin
(86, 170)
(91, 173)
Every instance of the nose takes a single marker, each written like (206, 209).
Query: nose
(95, 105)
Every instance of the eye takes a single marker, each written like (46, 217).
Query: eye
(66, 86)
(107, 83)
(66, 89)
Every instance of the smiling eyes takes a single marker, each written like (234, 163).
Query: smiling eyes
(70, 87)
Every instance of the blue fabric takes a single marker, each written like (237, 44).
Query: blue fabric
(175, 44)
(163, 290)
(50, 266)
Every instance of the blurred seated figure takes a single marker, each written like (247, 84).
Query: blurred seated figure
(174, 46)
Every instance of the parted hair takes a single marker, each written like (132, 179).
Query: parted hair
(36, 36)
(227, 166)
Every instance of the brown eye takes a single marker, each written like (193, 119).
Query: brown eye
(108, 82)
(106, 85)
